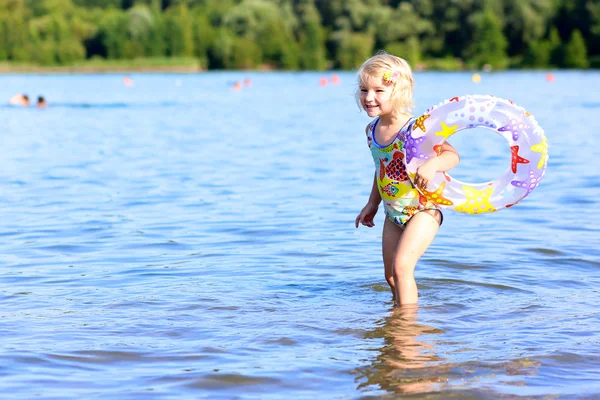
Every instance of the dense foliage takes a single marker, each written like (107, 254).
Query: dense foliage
(305, 34)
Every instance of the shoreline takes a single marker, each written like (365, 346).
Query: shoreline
(35, 70)
(7, 68)
(95, 66)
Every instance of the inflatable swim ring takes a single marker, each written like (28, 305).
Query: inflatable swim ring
(526, 140)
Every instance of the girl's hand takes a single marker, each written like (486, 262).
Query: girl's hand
(448, 158)
(426, 173)
(366, 215)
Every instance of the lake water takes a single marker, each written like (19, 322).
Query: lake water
(180, 239)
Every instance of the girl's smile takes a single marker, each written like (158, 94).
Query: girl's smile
(375, 97)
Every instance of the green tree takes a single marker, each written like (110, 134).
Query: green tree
(575, 51)
(215, 10)
(112, 34)
(401, 24)
(593, 41)
(307, 34)
(581, 15)
(451, 25)
(221, 50)
(312, 41)
(154, 40)
(3, 51)
(488, 44)
(179, 32)
(98, 4)
(16, 36)
(538, 54)
(409, 50)
(203, 37)
(69, 51)
(313, 48)
(354, 49)
(261, 22)
(556, 48)
(245, 55)
(57, 33)
(290, 58)
(524, 22)
(399, 32)
(43, 36)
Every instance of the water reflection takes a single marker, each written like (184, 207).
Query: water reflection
(409, 364)
(406, 364)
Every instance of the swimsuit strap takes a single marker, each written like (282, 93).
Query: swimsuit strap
(409, 124)
(401, 134)
(373, 124)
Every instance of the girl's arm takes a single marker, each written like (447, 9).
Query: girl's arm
(367, 214)
(374, 197)
(447, 160)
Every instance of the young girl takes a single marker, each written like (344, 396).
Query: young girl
(385, 90)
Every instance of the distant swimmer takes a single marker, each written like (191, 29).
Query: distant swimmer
(41, 102)
(19, 100)
(128, 81)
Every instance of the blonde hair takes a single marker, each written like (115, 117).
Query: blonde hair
(402, 90)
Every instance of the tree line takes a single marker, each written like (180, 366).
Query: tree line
(305, 34)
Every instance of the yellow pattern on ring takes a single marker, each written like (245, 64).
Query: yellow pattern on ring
(478, 201)
(420, 122)
(447, 131)
(541, 147)
(436, 195)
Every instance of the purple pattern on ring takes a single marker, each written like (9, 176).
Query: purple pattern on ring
(412, 147)
(528, 184)
(515, 126)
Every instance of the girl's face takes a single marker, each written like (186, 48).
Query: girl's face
(376, 96)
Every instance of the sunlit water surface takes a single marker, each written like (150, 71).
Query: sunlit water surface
(179, 239)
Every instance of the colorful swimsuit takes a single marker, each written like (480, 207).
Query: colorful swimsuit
(400, 198)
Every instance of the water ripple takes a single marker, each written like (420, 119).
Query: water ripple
(159, 242)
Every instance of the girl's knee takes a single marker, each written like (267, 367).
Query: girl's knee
(403, 269)
(404, 265)
(403, 272)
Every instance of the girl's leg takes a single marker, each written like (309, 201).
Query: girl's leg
(389, 244)
(418, 235)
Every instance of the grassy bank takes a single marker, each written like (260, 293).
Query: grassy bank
(99, 65)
